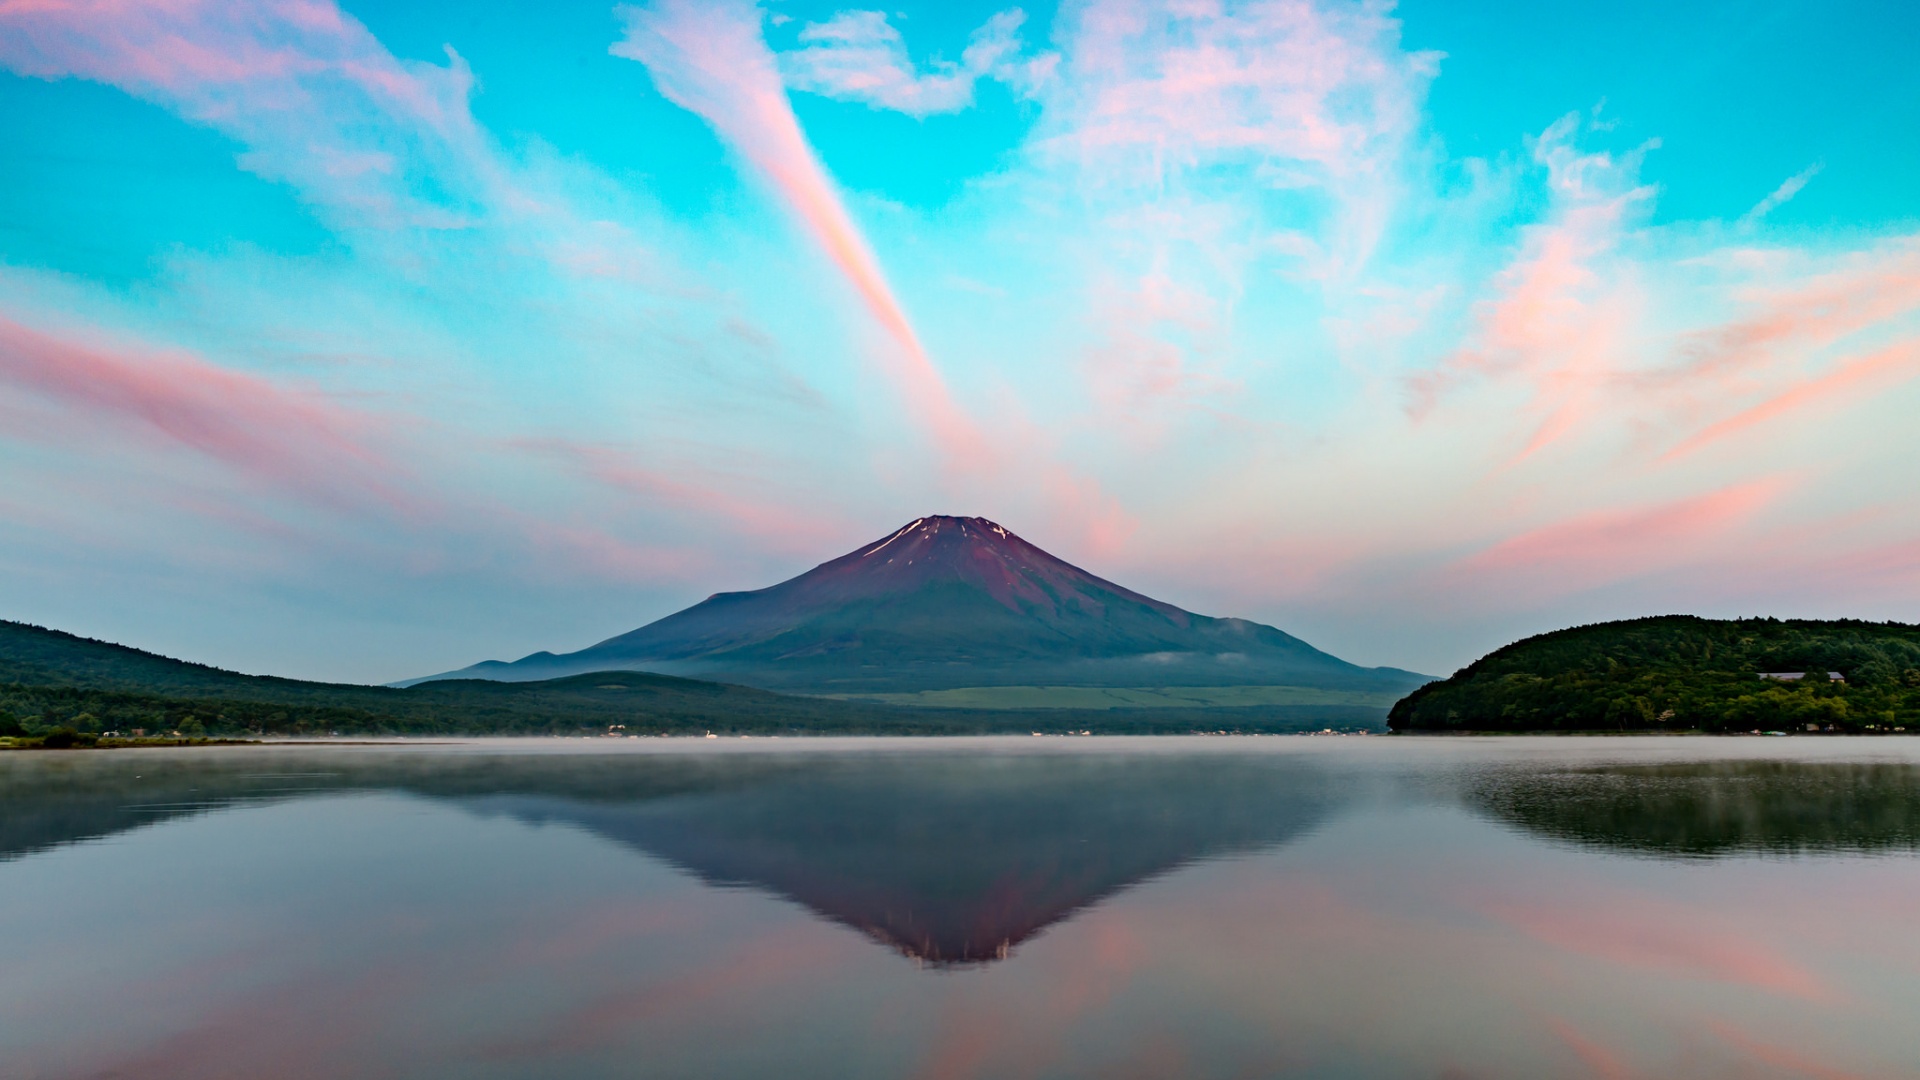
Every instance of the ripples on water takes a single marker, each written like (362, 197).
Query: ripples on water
(1218, 907)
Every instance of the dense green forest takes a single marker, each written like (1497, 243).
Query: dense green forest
(51, 680)
(56, 682)
(1681, 673)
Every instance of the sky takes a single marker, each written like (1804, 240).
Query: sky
(365, 340)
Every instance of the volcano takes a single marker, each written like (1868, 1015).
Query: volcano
(953, 602)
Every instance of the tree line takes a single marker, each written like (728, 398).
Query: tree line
(1681, 672)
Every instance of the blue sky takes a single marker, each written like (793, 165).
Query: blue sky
(366, 340)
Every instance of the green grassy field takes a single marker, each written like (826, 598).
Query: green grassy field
(1132, 697)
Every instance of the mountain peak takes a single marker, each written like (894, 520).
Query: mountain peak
(949, 601)
(976, 528)
(925, 534)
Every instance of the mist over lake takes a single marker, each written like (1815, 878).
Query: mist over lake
(1209, 907)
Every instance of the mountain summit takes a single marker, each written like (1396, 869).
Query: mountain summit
(948, 602)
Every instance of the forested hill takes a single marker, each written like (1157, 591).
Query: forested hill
(1679, 672)
(54, 682)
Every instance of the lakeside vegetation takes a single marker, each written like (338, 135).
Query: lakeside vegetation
(65, 738)
(1684, 673)
(52, 682)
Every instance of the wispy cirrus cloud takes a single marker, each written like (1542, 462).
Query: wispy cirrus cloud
(711, 59)
(546, 252)
(296, 440)
(1651, 342)
(1596, 1056)
(1770, 1054)
(1592, 548)
(861, 56)
(1781, 195)
(1292, 98)
(385, 151)
(1890, 366)
(699, 493)
(1559, 316)
(318, 101)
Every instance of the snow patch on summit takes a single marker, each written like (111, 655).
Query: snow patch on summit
(894, 537)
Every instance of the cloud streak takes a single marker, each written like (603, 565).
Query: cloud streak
(860, 56)
(287, 440)
(1897, 363)
(1312, 103)
(1600, 546)
(698, 493)
(1779, 196)
(320, 102)
(710, 59)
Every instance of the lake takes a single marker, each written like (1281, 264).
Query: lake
(1059, 907)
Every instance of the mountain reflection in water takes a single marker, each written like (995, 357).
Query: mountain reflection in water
(1707, 809)
(957, 861)
(952, 859)
(1208, 908)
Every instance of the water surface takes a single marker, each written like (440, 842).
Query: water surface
(1218, 907)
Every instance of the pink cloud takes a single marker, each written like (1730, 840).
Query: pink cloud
(1191, 83)
(1776, 1056)
(1881, 566)
(1152, 364)
(1554, 324)
(860, 56)
(778, 527)
(287, 439)
(317, 99)
(1896, 363)
(376, 144)
(1572, 319)
(1293, 96)
(710, 58)
(1612, 543)
(1782, 325)
(568, 548)
(1599, 1060)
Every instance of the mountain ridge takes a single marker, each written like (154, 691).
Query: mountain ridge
(949, 602)
(50, 679)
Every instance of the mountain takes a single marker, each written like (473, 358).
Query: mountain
(949, 858)
(51, 680)
(952, 602)
(1683, 673)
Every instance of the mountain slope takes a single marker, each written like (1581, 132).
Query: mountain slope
(51, 680)
(949, 602)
